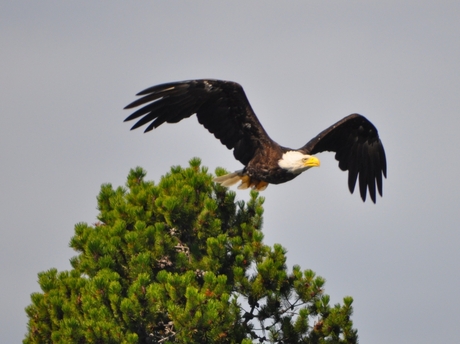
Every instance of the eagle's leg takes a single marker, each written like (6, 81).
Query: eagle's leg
(245, 182)
(261, 186)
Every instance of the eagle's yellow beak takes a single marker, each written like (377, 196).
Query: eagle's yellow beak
(312, 162)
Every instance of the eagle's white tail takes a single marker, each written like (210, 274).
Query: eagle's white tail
(229, 179)
(246, 181)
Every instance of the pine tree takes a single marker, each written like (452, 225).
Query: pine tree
(181, 262)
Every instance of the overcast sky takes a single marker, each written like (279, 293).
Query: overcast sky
(68, 68)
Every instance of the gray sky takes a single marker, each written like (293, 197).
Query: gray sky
(68, 68)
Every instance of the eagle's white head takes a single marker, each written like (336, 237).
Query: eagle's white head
(296, 162)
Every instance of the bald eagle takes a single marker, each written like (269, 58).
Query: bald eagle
(223, 108)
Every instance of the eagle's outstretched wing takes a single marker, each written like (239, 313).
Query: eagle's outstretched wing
(358, 149)
(221, 106)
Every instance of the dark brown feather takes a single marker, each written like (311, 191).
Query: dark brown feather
(358, 149)
(221, 107)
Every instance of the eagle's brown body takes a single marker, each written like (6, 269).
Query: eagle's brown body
(264, 166)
